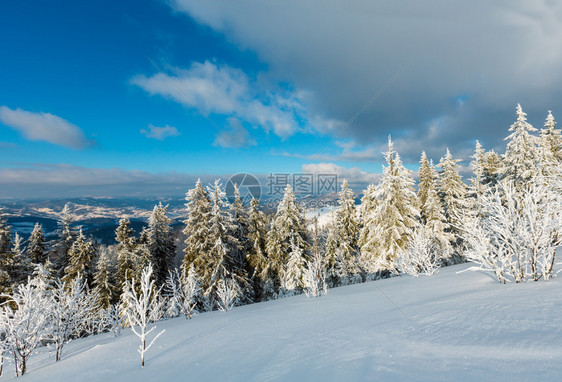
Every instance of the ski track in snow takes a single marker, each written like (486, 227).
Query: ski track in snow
(459, 327)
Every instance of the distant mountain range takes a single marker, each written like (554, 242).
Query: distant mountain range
(99, 217)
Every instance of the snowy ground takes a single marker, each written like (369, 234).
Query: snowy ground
(449, 327)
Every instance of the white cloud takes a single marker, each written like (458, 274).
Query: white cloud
(227, 91)
(45, 127)
(236, 136)
(64, 180)
(160, 133)
(353, 175)
(484, 56)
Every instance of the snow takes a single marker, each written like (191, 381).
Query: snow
(450, 326)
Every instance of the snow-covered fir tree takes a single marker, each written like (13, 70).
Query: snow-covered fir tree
(394, 217)
(551, 137)
(197, 243)
(492, 164)
(240, 217)
(368, 204)
(550, 147)
(261, 273)
(22, 267)
(160, 243)
(477, 183)
(330, 246)
(287, 236)
(103, 283)
(315, 277)
(66, 237)
(431, 210)
(240, 233)
(80, 263)
(218, 263)
(452, 192)
(292, 280)
(43, 276)
(127, 259)
(6, 255)
(36, 249)
(346, 267)
(521, 157)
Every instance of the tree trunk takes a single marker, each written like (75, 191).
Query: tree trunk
(549, 271)
(23, 365)
(58, 352)
(142, 353)
(16, 365)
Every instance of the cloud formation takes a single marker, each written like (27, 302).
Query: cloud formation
(236, 136)
(45, 127)
(160, 133)
(64, 180)
(470, 63)
(227, 91)
(354, 175)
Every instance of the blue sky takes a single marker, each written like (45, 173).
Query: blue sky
(111, 94)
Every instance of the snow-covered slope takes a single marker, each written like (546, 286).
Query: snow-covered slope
(448, 327)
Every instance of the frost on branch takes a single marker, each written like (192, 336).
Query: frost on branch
(143, 306)
(182, 294)
(420, 255)
(72, 313)
(518, 233)
(315, 277)
(22, 324)
(228, 293)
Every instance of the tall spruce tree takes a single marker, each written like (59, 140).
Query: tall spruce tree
(346, 261)
(492, 164)
(333, 267)
(80, 263)
(393, 219)
(103, 283)
(367, 215)
(197, 243)
(65, 240)
(452, 192)
(261, 273)
(477, 183)
(160, 243)
(292, 280)
(550, 145)
(22, 267)
(287, 234)
(36, 248)
(431, 210)
(521, 158)
(127, 260)
(6, 255)
(240, 233)
(219, 263)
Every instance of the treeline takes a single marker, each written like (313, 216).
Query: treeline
(507, 219)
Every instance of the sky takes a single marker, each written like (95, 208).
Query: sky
(113, 98)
